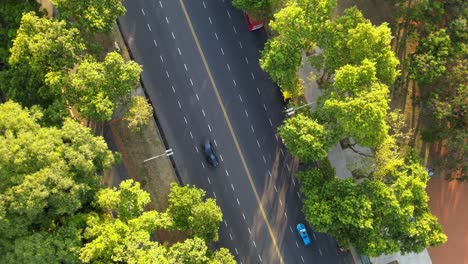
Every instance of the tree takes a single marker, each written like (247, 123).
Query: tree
(356, 105)
(92, 15)
(10, 17)
(281, 57)
(46, 176)
(377, 217)
(95, 87)
(258, 9)
(190, 212)
(429, 61)
(190, 251)
(349, 39)
(42, 46)
(305, 138)
(128, 201)
(281, 62)
(125, 236)
(222, 256)
(139, 113)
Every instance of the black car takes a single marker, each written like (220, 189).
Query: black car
(210, 154)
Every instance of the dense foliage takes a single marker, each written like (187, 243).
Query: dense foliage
(42, 47)
(387, 211)
(10, 17)
(54, 209)
(376, 217)
(91, 16)
(49, 177)
(139, 113)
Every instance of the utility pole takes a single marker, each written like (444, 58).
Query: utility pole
(292, 110)
(166, 153)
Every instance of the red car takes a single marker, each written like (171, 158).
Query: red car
(253, 25)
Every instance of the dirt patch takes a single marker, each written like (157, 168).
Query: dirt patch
(448, 202)
(156, 175)
(377, 11)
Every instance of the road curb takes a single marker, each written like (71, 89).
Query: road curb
(158, 124)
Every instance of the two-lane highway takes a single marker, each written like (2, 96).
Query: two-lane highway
(201, 72)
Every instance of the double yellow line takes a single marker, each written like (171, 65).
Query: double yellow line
(244, 164)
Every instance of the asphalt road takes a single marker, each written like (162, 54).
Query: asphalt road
(215, 90)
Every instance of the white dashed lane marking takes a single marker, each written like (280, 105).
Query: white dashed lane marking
(149, 28)
(143, 12)
(155, 43)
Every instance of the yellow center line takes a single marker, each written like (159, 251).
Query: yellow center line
(220, 101)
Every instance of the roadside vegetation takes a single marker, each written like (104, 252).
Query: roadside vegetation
(54, 208)
(383, 209)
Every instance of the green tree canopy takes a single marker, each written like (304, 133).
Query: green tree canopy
(376, 217)
(305, 138)
(139, 113)
(356, 105)
(124, 236)
(190, 212)
(42, 46)
(429, 61)
(349, 39)
(91, 15)
(259, 9)
(46, 175)
(10, 18)
(96, 86)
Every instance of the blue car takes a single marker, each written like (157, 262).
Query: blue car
(301, 229)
